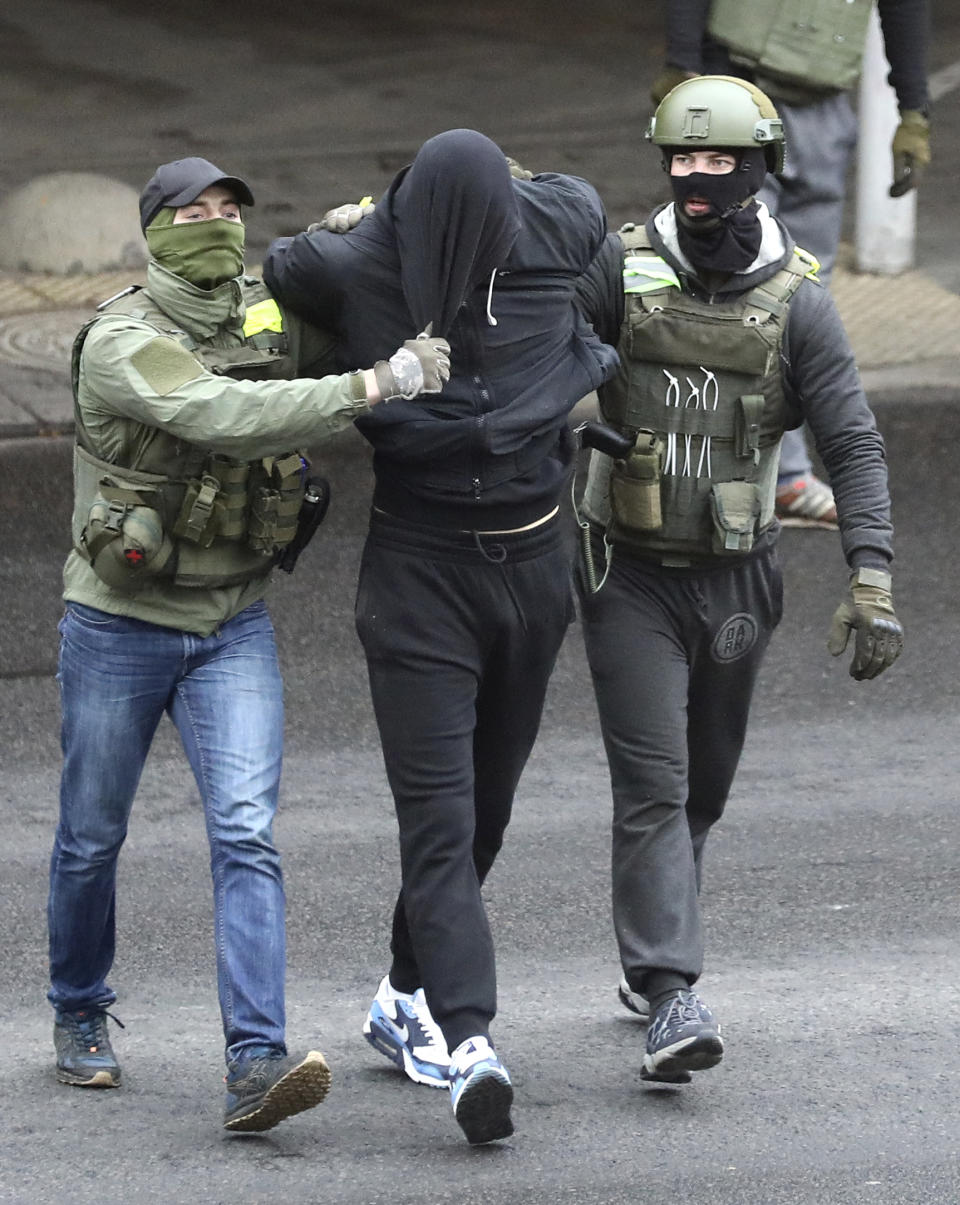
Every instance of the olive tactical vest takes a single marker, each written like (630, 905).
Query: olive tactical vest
(699, 390)
(815, 43)
(180, 512)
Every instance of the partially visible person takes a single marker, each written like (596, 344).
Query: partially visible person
(465, 590)
(187, 492)
(807, 69)
(726, 338)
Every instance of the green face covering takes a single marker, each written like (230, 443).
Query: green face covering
(205, 253)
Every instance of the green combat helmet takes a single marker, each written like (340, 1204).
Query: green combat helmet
(719, 111)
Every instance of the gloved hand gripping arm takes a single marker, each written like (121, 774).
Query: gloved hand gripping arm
(422, 365)
(868, 612)
(343, 218)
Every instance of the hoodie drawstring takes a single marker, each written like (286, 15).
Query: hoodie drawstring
(490, 318)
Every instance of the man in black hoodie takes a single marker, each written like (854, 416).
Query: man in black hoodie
(726, 339)
(464, 593)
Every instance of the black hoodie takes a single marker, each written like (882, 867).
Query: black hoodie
(492, 263)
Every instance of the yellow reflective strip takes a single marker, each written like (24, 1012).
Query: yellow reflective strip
(807, 258)
(264, 316)
(647, 274)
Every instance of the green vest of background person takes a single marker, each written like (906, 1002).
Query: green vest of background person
(815, 43)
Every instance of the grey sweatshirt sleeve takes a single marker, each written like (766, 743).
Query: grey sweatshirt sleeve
(823, 385)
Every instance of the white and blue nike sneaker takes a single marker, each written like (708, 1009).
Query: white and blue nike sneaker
(400, 1026)
(480, 1092)
(683, 1036)
(636, 1002)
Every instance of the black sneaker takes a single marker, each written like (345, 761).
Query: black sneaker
(683, 1036)
(84, 1054)
(264, 1091)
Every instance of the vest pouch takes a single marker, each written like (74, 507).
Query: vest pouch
(286, 479)
(230, 509)
(748, 414)
(263, 519)
(735, 507)
(198, 520)
(126, 544)
(635, 485)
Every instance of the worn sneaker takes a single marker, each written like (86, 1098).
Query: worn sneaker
(684, 1036)
(263, 1091)
(480, 1092)
(806, 502)
(636, 1002)
(84, 1054)
(401, 1027)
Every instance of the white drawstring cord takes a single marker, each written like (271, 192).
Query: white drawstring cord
(490, 318)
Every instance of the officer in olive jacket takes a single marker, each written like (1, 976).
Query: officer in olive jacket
(188, 491)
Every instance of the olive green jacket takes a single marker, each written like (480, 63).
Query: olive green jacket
(133, 379)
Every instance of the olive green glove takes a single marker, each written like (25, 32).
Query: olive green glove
(667, 80)
(343, 218)
(868, 610)
(422, 365)
(911, 151)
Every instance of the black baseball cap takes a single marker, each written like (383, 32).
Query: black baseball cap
(182, 181)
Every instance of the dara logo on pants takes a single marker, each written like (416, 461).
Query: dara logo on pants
(736, 637)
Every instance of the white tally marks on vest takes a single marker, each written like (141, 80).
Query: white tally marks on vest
(703, 395)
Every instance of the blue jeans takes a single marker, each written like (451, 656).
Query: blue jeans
(224, 694)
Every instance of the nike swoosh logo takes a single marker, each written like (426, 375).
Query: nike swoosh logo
(403, 1033)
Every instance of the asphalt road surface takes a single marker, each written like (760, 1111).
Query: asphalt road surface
(831, 899)
(832, 890)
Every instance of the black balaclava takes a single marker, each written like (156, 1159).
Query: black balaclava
(457, 219)
(728, 238)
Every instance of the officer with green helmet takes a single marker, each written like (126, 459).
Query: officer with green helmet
(806, 55)
(726, 339)
(189, 490)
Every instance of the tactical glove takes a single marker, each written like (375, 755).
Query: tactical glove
(343, 218)
(422, 365)
(868, 610)
(518, 172)
(911, 151)
(667, 80)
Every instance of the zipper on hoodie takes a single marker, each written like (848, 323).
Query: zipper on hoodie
(477, 484)
(481, 402)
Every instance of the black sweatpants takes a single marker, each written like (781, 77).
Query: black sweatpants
(674, 655)
(461, 632)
